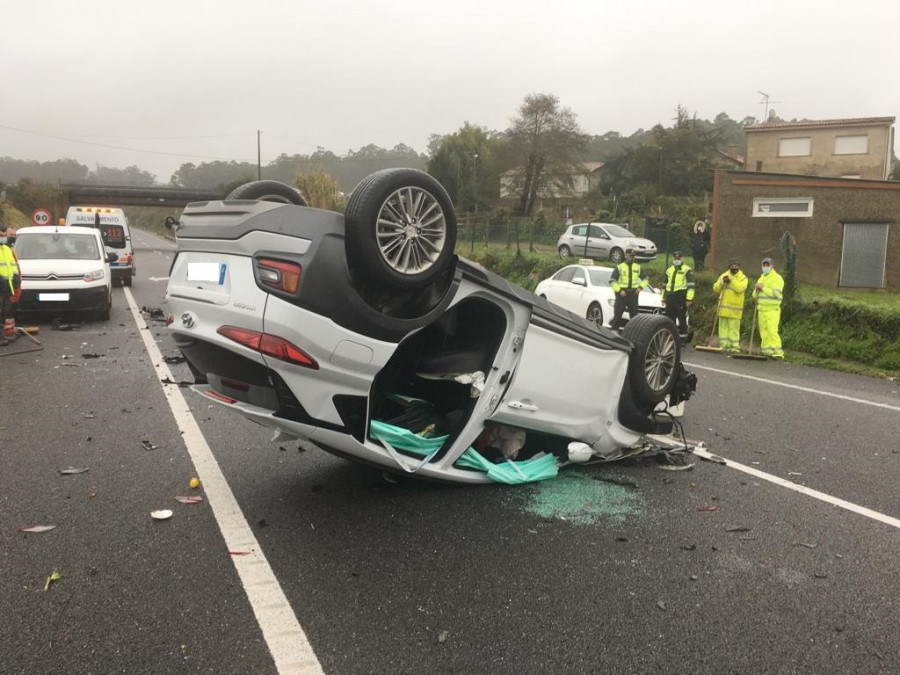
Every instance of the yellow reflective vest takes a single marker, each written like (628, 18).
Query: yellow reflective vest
(772, 288)
(8, 269)
(679, 279)
(626, 276)
(731, 304)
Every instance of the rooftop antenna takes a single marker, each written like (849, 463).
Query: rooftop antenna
(766, 102)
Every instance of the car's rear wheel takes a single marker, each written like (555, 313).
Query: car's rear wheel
(268, 191)
(654, 361)
(617, 255)
(565, 252)
(595, 314)
(400, 229)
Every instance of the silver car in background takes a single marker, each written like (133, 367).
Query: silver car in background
(605, 241)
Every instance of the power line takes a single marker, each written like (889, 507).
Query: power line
(119, 147)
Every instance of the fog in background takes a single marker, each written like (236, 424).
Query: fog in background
(163, 83)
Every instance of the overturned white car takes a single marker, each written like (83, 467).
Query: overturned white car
(364, 333)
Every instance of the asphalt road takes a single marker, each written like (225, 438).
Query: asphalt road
(615, 568)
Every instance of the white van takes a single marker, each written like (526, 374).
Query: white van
(113, 226)
(64, 269)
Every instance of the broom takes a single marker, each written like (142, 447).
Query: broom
(750, 355)
(713, 337)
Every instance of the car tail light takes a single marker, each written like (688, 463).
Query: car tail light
(270, 345)
(280, 275)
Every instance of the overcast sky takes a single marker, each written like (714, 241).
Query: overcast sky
(193, 80)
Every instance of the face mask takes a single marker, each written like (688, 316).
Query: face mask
(677, 263)
(766, 269)
(734, 270)
(3, 240)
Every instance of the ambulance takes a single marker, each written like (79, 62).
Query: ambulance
(113, 226)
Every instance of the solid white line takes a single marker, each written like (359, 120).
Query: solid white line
(849, 506)
(285, 638)
(795, 386)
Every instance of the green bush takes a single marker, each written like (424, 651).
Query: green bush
(839, 333)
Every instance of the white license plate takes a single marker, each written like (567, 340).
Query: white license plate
(207, 271)
(53, 297)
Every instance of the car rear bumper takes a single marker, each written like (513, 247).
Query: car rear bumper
(121, 271)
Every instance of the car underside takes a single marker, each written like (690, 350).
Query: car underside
(322, 326)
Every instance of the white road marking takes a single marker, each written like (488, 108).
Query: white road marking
(158, 278)
(768, 381)
(849, 506)
(282, 632)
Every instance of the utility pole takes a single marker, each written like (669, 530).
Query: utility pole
(475, 181)
(258, 157)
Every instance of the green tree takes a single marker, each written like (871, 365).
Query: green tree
(545, 143)
(27, 195)
(463, 162)
(320, 190)
(674, 161)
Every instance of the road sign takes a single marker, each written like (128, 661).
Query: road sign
(40, 217)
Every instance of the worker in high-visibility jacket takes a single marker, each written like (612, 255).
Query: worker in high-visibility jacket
(626, 282)
(678, 294)
(10, 280)
(768, 291)
(731, 287)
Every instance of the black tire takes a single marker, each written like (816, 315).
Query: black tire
(617, 255)
(127, 281)
(104, 314)
(595, 314)
(268, 191)
(400, 229)
(564, 252)
(654, 361)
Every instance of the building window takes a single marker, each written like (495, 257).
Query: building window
(851, 145)
(783, 207)
(795, 147)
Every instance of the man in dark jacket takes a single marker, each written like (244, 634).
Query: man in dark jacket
(700, 245)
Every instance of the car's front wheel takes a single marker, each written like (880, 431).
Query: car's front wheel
(654, 361)
(617, 255)
(104, 314)
(400, 229)
(565, 252)
(595, 314)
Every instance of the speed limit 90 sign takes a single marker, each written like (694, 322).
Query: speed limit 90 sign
(40, 217)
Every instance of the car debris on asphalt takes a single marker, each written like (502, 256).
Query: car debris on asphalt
(55, 576)
(36, 529)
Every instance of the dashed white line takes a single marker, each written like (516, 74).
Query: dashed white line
(282, 632)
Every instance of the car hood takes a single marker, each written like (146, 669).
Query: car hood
(641, 243)
(648, 298)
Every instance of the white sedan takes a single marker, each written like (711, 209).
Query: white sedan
(585, 290)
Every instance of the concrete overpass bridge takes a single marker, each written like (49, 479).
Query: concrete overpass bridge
(95, 194)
